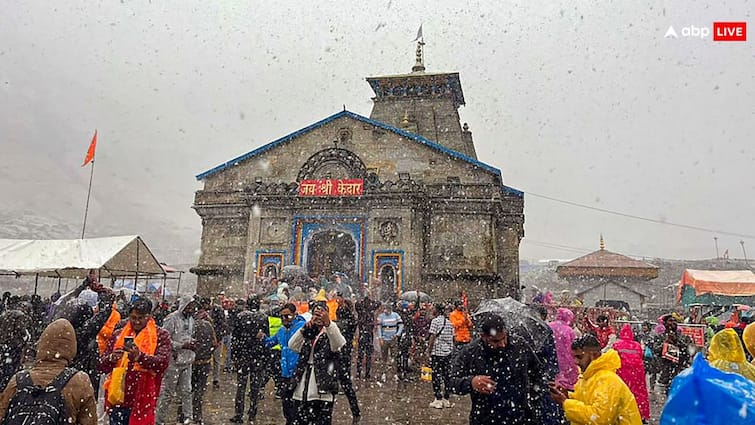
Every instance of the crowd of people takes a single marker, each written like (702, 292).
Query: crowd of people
(105, 359)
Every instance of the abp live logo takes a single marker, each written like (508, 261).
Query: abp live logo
(730, 31)
(722, 31)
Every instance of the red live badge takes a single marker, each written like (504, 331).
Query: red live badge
(730, 31)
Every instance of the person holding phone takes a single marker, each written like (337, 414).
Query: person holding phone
(149, 351)
(318, 343)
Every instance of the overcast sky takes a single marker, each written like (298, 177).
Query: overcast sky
(583, 101)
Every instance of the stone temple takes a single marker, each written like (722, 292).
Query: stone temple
(398, 200)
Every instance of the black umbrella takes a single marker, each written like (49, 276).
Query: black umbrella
(292, 270)
(521, 320)
(412, 296)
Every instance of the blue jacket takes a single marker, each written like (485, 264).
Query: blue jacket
(289, 358)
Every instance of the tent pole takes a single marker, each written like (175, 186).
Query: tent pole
(178, 289)
(59, 279)
(165, 279)
(36, 283)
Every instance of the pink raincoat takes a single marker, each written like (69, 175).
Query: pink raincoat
(563, 334)
(632, 370)
(660, 328)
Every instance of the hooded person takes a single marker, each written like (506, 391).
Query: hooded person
(177, 379)
(711, 326)
(564, 337)
(660, 328)
(599, 396)
(546, 371)
(632, 370)
(748, 338)
(55, 349)
(726, 353)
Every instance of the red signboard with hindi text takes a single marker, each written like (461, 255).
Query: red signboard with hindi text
(696, 332)
(331, 187)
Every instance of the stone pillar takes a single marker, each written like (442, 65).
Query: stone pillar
(252, 245)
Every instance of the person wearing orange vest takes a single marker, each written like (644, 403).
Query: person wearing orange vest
(462, 324)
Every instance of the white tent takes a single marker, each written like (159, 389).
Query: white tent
(114, 257)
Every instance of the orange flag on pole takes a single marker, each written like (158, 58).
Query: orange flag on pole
(90, 153)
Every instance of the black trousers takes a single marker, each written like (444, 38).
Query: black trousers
(251, 375)
(441, 366)
(199, 375)
(275, 368)
(364, 353)
(402, 358)
(344, 379)
(290, 407)
(314, 413)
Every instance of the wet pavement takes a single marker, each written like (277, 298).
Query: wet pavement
(381, 403)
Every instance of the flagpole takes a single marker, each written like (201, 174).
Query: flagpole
(89, 194)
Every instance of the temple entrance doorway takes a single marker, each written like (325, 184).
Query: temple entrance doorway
(331, 251)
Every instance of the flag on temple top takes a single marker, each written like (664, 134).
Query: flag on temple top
(90, 153)
(419, 34)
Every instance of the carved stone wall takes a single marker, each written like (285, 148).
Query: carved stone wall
(461, 243)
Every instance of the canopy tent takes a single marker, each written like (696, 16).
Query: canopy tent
(113, 257)
(716, 287)
(148, 287)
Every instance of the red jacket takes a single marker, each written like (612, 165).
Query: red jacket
(632, 370)
(603, 335)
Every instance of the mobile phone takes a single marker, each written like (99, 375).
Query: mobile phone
(128, 342)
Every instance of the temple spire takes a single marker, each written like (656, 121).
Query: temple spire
(602, 243)
(419, 65)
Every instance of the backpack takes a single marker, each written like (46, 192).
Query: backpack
(39, 405)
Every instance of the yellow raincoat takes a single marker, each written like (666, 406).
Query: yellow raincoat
(600, 397)
(749, 338)
(726, 353)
